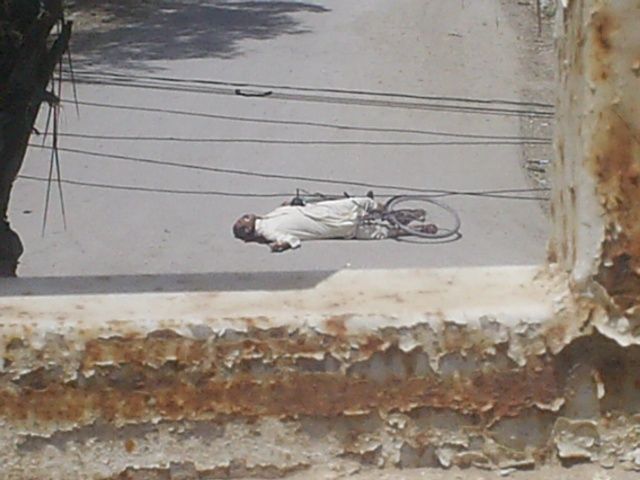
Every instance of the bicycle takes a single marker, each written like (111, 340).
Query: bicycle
(415, 215)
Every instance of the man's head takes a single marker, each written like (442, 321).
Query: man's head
(245, 228)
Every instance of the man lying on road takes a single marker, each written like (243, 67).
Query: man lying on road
(349, 218)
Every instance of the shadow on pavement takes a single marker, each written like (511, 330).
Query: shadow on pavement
(126, 32)
(171, 283)
(429, 241)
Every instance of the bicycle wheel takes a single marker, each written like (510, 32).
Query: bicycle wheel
(443, 216)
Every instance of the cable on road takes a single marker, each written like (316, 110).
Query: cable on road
(495, 194)
(300, 178)
(304, 123)
(489, 101)
(271, 141)
(441, 107)
(173, 191)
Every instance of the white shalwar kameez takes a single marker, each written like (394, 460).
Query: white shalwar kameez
(322, 220)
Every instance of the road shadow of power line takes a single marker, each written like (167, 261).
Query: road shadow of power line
(128, 32)
(165, 283)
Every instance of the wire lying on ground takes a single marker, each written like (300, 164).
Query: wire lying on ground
(272, 141)
(307, 123)
(175, 80)
(297, 178)
(355, 101)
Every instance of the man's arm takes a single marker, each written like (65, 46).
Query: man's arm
(277, 247)
(279, 241)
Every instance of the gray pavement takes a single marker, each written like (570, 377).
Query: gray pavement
(440, 48)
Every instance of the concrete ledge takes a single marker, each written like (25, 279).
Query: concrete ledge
(496, 368)
(381, 348)
(294, 296)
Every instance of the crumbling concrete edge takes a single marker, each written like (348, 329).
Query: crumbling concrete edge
(419, 368)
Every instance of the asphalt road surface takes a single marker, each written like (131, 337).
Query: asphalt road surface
(303, 114)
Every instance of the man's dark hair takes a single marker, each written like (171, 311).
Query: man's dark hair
(238, 230)
(244, 228)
